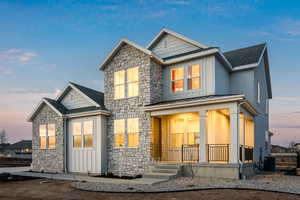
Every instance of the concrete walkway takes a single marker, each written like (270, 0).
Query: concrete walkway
(73, 177)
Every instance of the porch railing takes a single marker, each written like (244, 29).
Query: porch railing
(248, 153)
(183, 153)
(190, 153)
(218, 152)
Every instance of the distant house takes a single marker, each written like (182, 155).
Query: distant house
(21, 149)
(280, 149)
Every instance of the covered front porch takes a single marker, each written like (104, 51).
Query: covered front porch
(217, 134)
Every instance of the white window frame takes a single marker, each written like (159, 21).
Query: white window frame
(120, 84)
(138, 133)
(132, 82)
(47, 136)
(183, 79)
(81, 121)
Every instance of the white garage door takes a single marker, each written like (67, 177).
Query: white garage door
(84, 145)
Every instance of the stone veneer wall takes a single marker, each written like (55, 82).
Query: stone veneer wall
(48, 160)
(131, 161)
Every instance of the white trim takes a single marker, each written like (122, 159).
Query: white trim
(195, 103)
(87, 113)
(37, 108)
(62, 94)
(191, 56)
(248, 66)
(177, 35)
(126, 41)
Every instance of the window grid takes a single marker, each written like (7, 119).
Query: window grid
(177, 79)
(194, 77)
(47, 136)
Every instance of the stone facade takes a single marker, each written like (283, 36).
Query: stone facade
(48, 160)
(131, 161)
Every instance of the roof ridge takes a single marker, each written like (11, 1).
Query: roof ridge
(76, 85)
(265, 43)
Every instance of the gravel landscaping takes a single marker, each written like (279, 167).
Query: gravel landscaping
(272, 182)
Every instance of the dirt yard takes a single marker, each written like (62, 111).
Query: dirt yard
(54, 189)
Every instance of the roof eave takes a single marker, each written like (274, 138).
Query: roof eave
(37, 108)
(118, 46)
(194, 103)
(177, 35)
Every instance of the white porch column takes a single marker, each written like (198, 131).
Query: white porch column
(243, 139)
(234, 128)
(203, 136)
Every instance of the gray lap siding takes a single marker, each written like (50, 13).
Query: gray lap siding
(123, 160)
(48, 160)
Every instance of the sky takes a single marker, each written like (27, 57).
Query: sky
(45, 44)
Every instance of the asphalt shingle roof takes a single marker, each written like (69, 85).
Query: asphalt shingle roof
(61, 108)
(245, 56)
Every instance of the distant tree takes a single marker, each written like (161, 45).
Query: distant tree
(3, 137)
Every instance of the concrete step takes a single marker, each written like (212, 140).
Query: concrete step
(157, 175)
(166, 166)
(162, 170)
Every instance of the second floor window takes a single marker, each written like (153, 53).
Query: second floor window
(119, 83)
(258, 92)
(177, 79)
(133, 81)
(194, 77)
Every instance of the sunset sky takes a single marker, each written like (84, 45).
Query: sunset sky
(45, 44)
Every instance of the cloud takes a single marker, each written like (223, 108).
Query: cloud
(5, 71)
(16, 56)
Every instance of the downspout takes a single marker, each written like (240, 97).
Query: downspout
(65, 144)
(241, 162)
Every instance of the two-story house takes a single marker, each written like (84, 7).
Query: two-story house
(175, 101)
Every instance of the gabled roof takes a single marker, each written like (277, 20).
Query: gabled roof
(119, 45)
(51, 103)
(245, 56)
(93, 96)
(177, 35)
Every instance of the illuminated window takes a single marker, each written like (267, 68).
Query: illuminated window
(76, 134)
(133, 81)
(133, 132)
(51, 136)
(119, 132)
(177, 79)
(43, 136)
(88, 134)
(119, 83)
(194, 77)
